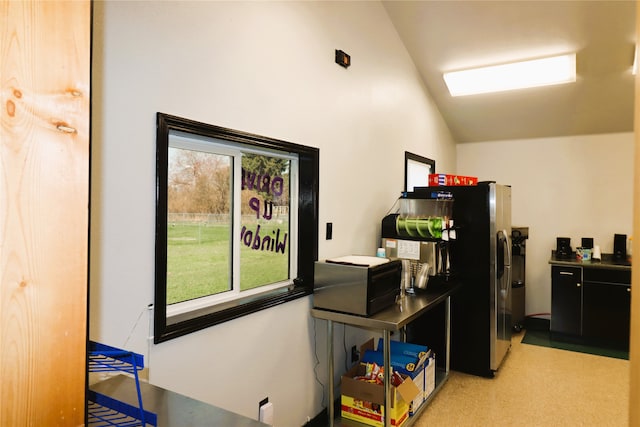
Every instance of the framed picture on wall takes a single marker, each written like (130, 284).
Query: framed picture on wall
(417, 170)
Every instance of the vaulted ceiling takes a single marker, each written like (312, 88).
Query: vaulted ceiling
(452, 35)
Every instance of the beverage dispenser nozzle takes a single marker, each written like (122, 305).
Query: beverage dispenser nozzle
(406, 284)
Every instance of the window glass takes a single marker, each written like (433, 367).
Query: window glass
(198, 224)
(206, 257)
(265, 233)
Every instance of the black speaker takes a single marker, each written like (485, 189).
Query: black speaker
(620, 246)
(563, 247)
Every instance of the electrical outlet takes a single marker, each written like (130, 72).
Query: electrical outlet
(266, 413)
(261, 404)
(355, 356)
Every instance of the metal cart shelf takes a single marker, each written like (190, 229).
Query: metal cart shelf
(394, 318)
(105, 411)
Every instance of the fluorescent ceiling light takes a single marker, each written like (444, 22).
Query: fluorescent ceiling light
(516, 75)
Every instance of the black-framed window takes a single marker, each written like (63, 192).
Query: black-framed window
(416, 170)
(236, 224)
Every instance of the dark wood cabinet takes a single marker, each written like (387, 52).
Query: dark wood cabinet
(607, 307)
(566, 300)
(591, 305)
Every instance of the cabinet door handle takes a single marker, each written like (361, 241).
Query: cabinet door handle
(566, 273)
(578, 284)
(628, 289)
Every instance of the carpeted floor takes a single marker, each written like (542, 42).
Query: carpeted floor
(543, 339)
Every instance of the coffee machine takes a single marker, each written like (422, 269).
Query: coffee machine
(419, 233)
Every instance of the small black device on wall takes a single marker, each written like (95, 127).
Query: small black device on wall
(342, 59)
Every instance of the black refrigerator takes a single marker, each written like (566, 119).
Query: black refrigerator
(480, 258)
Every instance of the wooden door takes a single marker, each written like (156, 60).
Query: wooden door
(44, 210)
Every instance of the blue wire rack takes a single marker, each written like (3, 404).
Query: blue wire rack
(105, 411)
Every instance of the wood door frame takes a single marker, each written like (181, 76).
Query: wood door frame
(634, 347)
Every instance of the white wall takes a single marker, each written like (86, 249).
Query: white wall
(266, 68)
(575, 187)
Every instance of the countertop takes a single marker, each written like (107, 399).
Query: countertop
(172, 409)
(607, 262)
(396, 316)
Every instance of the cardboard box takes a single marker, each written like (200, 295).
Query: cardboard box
(418, 351)
(429, 375)
(436, 179)
(365, 402)
(412, 360)
(406, 366)
(401, 363)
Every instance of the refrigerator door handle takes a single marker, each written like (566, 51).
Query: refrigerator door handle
(507, 263)
(506, 283)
